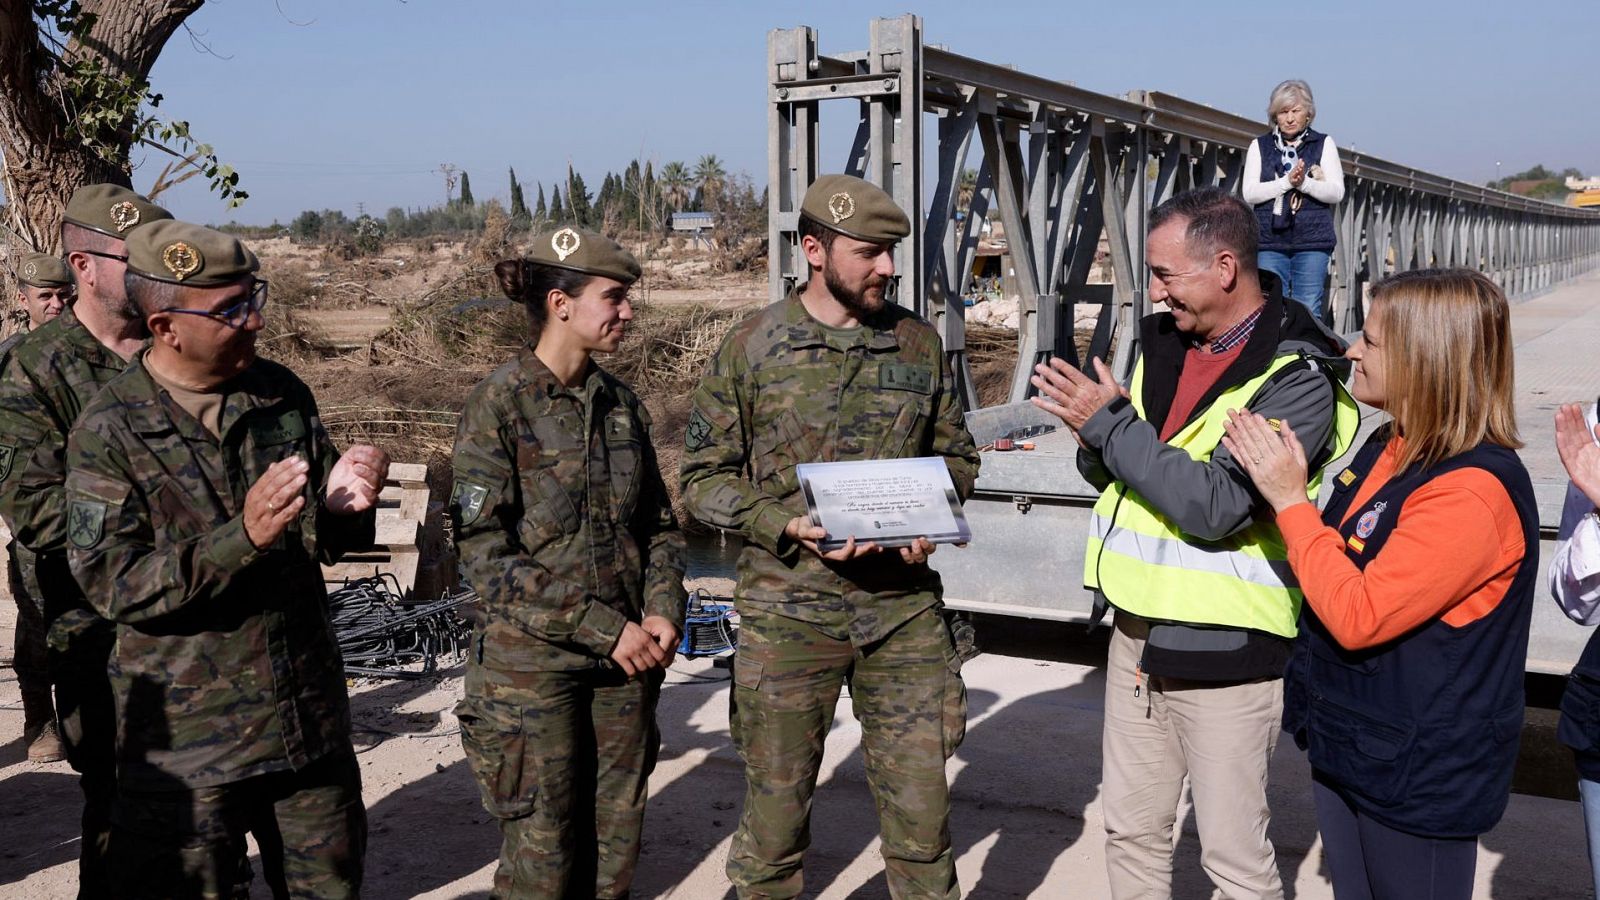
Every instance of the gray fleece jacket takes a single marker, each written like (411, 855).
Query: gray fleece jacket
(1212, 500)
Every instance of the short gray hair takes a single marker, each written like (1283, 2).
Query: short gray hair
(1216, 221)
(1287, 94)
(148, 296)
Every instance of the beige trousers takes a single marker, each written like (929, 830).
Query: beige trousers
(1221, 737)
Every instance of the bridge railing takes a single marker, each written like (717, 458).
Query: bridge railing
(1064, 169)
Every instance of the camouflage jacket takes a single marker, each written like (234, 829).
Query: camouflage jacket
(50, 376)
(225, 665)
(784, 390)
(562, 520)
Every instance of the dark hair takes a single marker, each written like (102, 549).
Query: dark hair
(810, 227)
(78, 238)
(147, 295)
(1217, 221)
(529, 283)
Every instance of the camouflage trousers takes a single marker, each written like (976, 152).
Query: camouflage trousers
(31, 659)
(86, 717)
(907, 692)
(311, 827)
(563, 760)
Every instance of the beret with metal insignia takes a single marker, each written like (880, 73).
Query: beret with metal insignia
(41, 270)
(111, 209)
(188, 254)
(855, 208)
(584, 251)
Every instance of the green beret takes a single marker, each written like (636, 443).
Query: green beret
(188, 254)
(584, 251)
(111, 209)
(41, 270)
(855, 208)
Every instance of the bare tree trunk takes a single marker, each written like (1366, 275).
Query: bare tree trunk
(43, 163)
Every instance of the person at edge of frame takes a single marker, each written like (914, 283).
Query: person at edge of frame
(1406, 684)
(1575, 585)
(44, 289)
(203, 497)
(48, 378)
(833, 372)
(1180, 546)
(566, 531)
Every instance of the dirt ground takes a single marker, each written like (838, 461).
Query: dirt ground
(1026, 820)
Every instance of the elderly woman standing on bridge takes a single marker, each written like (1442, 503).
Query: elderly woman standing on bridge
(1405, 685)
(1293, 177)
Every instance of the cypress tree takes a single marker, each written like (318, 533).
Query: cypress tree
(519, 206)
(540, 211)
(556, 213)
(466, 192)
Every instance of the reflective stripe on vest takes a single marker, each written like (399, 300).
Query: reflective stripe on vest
(1146, 565)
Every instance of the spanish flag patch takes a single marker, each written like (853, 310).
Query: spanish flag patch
(1346, 477)
(1357, 544)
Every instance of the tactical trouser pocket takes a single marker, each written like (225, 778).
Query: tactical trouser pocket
(955, 703)
(496, 749)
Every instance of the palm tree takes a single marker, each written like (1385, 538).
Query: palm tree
(675, 183)
(710, 174)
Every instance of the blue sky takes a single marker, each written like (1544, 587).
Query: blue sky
(343, 103)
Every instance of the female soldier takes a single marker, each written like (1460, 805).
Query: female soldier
(566, 532)
(1405, 684)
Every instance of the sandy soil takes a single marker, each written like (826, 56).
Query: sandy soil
(1026, 821)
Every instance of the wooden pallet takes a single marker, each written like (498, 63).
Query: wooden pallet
(410, 538)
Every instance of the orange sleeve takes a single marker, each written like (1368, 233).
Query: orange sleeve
(1452, 555)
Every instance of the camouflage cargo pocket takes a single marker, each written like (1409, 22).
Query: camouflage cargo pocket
(746, 677)
(955, 703)
(496, 749)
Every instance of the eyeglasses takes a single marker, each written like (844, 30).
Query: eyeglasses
(121, 259)
(236, 315)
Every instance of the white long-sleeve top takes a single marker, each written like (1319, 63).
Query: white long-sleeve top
(1329, 188)
(1575, 570)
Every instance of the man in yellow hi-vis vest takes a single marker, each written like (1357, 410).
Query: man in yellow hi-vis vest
(1185, 551)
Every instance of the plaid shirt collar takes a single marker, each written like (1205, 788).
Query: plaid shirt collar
(1238, 334)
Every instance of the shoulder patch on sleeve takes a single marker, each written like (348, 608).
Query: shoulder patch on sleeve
(8, 455)
(86, 522)
(697, 434)
(469, 500)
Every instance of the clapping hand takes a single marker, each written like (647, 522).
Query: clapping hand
(1273, 458)
(1579, 452)
(1072, 396)
(356, 480)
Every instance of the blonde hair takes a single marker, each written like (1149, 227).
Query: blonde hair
(1287, 94)
(1448, 362)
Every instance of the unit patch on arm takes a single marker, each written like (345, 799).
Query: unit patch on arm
(697, 434)
(469, 498)
(86, 522)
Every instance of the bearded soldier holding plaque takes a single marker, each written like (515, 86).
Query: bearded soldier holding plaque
(833, 373)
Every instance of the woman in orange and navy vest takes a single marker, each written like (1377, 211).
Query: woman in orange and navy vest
(1405, 683)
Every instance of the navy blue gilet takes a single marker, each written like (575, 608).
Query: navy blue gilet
(1420, 733)
(1312, 227)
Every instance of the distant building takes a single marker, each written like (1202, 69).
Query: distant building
(1583, 184)
(696, 225)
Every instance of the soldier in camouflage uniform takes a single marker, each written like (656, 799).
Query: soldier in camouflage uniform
(50, 376)
(566, 532)
(833, 373)
(44, 288)
(202, 495)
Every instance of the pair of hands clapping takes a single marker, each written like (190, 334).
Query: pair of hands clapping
(278, 496)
